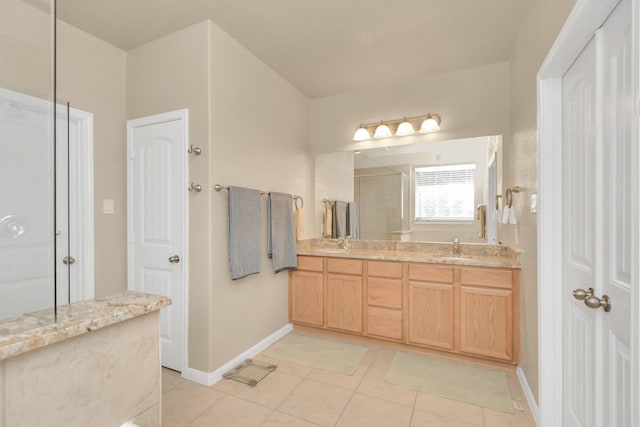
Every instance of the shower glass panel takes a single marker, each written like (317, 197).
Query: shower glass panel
(384, 206)
(28, 173)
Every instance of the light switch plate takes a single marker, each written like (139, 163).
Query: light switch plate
(107, 207)
(534, 203)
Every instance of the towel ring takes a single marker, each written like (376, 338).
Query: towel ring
(509, 195)
(509, 198)
(295, 202)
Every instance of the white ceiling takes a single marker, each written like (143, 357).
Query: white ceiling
(324, 47)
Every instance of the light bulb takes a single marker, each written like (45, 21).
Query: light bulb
(405, 128)
(382, 131)
(362, 134)
(430, 124)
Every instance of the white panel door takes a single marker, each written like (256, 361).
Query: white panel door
(579, 181)
(599, 220)
(620, 216)
(156, 179)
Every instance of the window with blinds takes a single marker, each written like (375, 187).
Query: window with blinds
(444, 193)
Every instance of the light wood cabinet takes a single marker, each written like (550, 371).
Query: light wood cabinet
(306, 292)
(384, 315)
(431, 306)
(470, 311)
(344, 294)
(431, 314)
(488, 313)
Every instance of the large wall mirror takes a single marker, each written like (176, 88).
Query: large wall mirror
(428, 191)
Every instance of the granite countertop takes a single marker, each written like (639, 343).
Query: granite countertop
(434, 253)
(32, 331)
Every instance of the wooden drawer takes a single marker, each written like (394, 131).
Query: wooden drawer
(431, 273)
(384, 292)
(344, 266)
(489, 277)
(384, 269)
(310, 263)
(384, 322)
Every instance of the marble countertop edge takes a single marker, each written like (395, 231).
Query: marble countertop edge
(32, 331)
(410, 256)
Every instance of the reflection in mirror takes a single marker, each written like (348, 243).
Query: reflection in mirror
(27, 153)
(385, 188)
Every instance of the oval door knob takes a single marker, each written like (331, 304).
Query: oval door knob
(581, 294)
(174, 259)
(595, 302)
(68, 260)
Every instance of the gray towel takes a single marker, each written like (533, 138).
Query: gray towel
(352, 220)
(334, 223)
(281, 239)
(341, 220)
(244, 231)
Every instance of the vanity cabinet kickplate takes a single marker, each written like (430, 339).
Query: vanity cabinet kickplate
(249, 373)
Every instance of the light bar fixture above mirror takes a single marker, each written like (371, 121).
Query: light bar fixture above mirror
(399, 127)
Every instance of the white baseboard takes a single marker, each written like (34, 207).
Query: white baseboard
(533, 406)
(210, 378)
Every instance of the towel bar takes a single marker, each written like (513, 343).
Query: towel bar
(219, 187)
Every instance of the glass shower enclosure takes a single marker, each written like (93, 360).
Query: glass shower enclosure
(383, 201)
(33, 171)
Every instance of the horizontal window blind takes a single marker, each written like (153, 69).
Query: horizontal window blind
(444, 193)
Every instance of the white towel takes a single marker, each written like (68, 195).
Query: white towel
(512, 215)
(505, 215)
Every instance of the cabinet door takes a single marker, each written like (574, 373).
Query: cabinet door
(344, 302)
(431, 314)
(384, 322)
(486, 322)
(307, 297)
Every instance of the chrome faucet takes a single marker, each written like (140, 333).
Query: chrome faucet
(456, 246)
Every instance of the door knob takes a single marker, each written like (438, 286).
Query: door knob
(594, 302)
(581, 294)
(68, 260)
(174, 259)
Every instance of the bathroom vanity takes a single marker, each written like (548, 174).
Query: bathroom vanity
(415, 294)
(98, 365)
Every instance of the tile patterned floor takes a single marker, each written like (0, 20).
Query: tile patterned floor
(296, 395)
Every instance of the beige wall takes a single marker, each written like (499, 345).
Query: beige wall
(473, 102)
(165, 75)
(91, 77)
(253, 129)
(26, 52)
(333, 174)
(259, 139)
(539, 29)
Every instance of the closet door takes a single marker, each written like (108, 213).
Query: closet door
(618, 275)
(598, 227)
